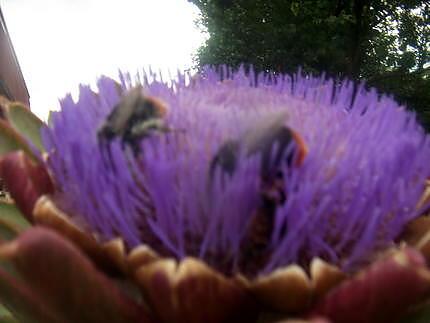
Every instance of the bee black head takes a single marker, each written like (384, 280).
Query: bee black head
(132, 119)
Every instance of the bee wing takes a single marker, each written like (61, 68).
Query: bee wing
(264, 132)
(271, 131)
(117, 120)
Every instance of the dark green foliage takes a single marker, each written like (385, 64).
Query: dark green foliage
(385, 42)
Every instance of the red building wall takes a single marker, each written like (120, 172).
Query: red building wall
(12, 83)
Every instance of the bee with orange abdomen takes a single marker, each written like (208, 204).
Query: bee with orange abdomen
(262, 138)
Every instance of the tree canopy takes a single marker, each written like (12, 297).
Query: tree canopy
(387, 43)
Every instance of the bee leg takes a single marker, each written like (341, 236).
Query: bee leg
(131, 142)
(225, 159)
(256, 242)
(104, 146)
(273, 192)
(255, 245)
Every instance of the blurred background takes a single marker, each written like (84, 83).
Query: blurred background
(61, 43)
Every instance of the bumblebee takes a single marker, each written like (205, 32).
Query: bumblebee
(262, 138)
(278, 145)
(291, 151)
(135, 117)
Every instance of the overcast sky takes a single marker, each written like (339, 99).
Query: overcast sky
(61, 43)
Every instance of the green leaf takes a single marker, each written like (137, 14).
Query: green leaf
(6, 232)
(420, 315)
(295, 7)
(3, 311)
(8, 319)
(25, 122)
(12, 222)
(22, 302)
(11, 140)
(6, 316)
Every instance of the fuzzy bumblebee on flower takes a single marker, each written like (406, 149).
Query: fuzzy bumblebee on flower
(223, 197)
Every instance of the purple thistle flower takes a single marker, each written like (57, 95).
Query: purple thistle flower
(358, 186)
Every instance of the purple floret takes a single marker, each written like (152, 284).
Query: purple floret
(356, 189)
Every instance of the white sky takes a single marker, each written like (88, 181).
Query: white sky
(61, 43)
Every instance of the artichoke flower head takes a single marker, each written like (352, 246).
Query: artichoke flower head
(262, 191)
